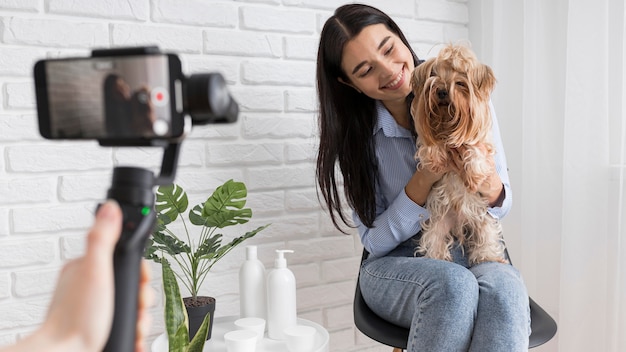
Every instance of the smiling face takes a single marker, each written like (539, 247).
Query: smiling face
(378, 64)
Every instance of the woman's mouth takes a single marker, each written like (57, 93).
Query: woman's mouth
(397, 82)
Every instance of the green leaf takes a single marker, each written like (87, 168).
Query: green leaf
(180, 341)
(171, 200)
(175, 313)
(195, 216)
(169, 244)
(225, 207)
(208, 248)
(162, 221)
(150, 252)
(236, 241)
(197, 343)
(247, 235)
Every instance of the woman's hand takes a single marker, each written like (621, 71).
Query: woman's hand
(418, 187)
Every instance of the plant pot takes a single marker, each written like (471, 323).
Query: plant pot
(197, 309)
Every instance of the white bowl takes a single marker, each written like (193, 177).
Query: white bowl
(300, 338)
(253, 324)
(240, 341)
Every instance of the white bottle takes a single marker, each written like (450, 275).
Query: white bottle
(252, 291)
(281, 297)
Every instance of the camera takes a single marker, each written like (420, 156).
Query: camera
(127, 97)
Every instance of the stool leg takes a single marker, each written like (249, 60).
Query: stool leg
(397, 350)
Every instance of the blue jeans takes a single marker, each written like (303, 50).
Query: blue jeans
(449, 306)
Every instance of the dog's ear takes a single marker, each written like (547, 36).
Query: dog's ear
(484, 79)
(420, 75)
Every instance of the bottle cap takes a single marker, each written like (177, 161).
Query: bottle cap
(280, 261)
(251, 252)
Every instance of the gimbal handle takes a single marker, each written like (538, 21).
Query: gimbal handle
(132, 188)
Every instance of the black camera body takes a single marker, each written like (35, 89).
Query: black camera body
(129, 97)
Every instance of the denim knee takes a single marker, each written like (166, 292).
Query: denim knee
(444, 319)
(502, 284)
(456, 286)
(503, 292)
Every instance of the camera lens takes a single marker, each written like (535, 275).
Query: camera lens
(207, 100)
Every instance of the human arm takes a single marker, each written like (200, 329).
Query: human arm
(504, 200)
(81, 310)
(394, 225)
(398, 216)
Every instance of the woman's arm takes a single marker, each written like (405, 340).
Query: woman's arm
(499, 182)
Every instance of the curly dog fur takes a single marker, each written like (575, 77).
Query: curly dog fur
(451, 110)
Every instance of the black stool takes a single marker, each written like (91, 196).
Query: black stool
(542, 325)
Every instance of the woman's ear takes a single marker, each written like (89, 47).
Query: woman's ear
(349, 84)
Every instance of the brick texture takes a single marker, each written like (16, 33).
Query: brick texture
(266, 50)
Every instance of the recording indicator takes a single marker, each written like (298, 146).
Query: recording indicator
(159, 96)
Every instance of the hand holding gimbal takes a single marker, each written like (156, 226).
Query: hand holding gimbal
(73, 103)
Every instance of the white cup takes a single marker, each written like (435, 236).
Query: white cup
(300, 338)
(240, 341)
(253, 324)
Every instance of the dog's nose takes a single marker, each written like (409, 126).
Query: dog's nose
(442, 94)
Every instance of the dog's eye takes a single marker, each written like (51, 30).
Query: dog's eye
(461, 84)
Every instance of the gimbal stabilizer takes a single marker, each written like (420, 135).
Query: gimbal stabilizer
(133, 189)
(203, 97)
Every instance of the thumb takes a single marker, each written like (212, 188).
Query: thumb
(105, 231)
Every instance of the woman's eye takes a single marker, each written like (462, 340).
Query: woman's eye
(388, 51)
(365, 72)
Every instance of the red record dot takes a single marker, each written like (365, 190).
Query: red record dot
(159, 96)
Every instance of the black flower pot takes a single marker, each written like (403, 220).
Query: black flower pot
(197, 309)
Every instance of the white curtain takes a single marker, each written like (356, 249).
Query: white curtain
(561, 102)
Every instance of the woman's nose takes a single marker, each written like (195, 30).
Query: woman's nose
(386, 68)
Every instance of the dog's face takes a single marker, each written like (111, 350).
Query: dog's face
(451, 104)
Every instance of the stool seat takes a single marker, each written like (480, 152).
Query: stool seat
(542, 325)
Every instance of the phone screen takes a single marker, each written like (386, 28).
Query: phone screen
(108, 98)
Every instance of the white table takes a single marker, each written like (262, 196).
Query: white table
(223, 325)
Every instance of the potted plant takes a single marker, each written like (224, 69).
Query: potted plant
(195, 256)
(176, 320)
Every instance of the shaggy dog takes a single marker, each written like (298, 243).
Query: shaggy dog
(452, 119)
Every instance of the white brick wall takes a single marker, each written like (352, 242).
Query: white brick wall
(266, 50)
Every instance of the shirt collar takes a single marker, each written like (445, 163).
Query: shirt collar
(388, 124)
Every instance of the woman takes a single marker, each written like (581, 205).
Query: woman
(363, 69)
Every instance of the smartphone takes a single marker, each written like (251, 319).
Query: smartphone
(128, 99)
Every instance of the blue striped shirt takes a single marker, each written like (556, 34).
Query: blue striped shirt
(398, 218)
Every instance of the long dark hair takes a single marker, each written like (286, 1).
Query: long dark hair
(347, 118)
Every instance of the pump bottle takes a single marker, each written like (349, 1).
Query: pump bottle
(252, 291)
(281, 297)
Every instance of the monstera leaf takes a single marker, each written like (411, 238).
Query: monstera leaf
(171, 201)
(225, 207)
(209, 247)
(227, 247)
